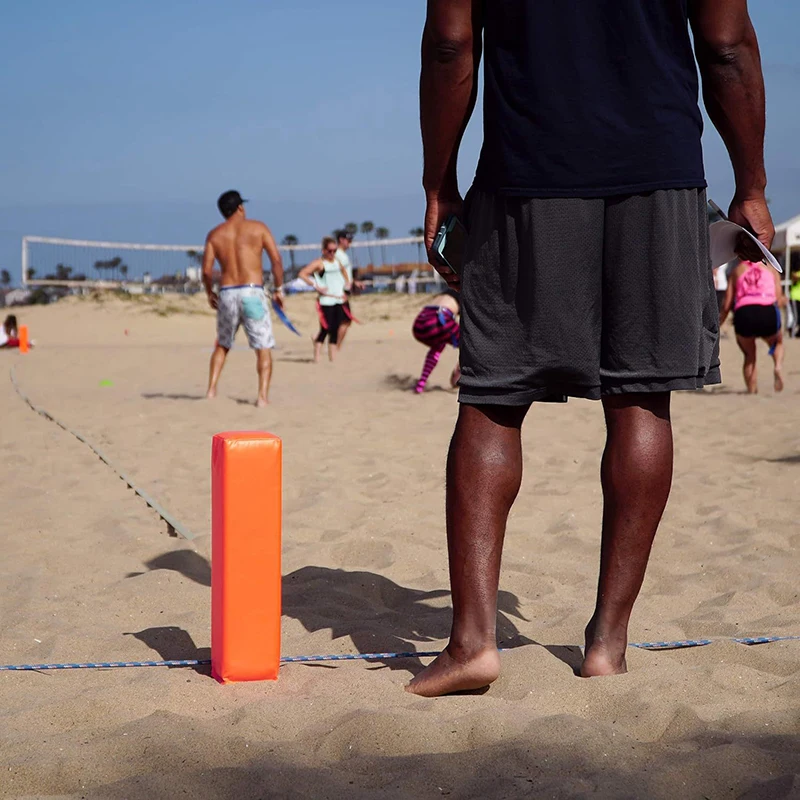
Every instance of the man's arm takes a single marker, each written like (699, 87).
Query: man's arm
(451, 54)
(276, 261)
(208, 273)
(307, 275)
(347, 283)
(733, 88)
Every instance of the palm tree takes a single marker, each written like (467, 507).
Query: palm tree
(418, 232)
(367, 228)
(124, 270)
(5, 277)
(381, 234)
(31, 273)
(63, 272)
(289, 240)
(352, 229)
(195, 256)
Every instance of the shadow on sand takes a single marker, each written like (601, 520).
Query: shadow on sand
(377, 614)
(187, 562)
(166, 396)
(174, 644)
(406, 383)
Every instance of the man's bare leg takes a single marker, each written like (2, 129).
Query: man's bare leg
(215, 370)
(264, 367)
(333, 349)
(484, 471)
(636, 474)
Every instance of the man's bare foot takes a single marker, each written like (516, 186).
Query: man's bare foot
(211, 394)
(262, 402)
(447, 674)
(603, 656)
(778, 380)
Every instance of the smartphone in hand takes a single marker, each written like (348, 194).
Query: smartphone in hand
(450, 244)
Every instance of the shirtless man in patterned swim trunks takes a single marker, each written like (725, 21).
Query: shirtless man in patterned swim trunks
(237, 245)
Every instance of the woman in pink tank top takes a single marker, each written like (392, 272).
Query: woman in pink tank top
(756, 296)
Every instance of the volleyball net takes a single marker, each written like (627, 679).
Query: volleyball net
(153, 268)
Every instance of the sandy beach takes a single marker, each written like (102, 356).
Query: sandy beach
(90, 573)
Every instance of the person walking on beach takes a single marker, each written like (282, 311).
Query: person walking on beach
(587, 269)
(756, 296)
(436, 326)
(328, 277)
(237, 245)
(343, 241)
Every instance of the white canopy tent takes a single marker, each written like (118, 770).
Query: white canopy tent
(787, 241)
(786, 246)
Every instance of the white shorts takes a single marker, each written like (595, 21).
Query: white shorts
(244, 305)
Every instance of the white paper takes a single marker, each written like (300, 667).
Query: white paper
(724, 234)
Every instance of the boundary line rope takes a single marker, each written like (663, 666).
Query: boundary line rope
(681, 645)
(160, 510)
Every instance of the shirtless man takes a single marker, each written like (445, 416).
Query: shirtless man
(237, 244)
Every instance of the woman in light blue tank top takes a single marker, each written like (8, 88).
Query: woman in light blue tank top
(330, 280)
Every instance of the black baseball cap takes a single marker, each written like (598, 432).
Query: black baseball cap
(228, 202)
(343, 234)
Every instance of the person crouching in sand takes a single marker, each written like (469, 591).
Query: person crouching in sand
(9, 334)
(436, 326)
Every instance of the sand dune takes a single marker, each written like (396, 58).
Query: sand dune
(90, 573)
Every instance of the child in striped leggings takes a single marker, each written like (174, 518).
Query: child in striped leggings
(436, 326)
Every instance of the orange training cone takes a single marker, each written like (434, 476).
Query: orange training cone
(246, 556)
(24, 343)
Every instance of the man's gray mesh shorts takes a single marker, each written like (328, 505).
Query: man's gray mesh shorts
(587, 297)
(246, 306)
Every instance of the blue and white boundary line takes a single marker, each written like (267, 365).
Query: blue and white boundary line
(680, 645)
(160, 510)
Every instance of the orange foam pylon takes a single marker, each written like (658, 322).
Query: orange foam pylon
(246, 556)
(24, 343)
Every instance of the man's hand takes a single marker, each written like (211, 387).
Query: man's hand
(277, 297)
(213, 300)
(439, 209)
(753, 214)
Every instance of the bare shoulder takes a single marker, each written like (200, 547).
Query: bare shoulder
(215, 233)
(254, 226)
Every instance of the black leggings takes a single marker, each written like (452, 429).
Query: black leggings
(334, 317)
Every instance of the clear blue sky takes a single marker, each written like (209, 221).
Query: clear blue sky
(126, 120)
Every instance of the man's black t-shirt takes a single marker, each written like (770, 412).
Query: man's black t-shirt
(589, 98)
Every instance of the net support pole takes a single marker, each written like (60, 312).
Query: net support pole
(787, 277)
(245, 556)
(24, 261)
